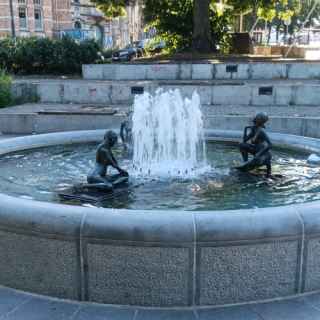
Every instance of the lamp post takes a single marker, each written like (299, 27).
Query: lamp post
(13, 28)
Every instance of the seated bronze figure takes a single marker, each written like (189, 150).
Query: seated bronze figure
(99, 177)
(257, 143)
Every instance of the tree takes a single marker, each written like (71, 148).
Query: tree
(160, 12)
(202, 25)
(300, 15)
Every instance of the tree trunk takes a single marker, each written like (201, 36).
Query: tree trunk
(269, 33)
(202, 35)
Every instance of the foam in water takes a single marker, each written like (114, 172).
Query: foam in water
(168, 135)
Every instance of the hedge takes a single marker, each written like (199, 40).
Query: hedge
(46, 56)
(5, 90)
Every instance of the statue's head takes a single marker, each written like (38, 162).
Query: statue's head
(261, 119)
(110, 138)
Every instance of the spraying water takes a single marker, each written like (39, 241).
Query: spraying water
(168, 134)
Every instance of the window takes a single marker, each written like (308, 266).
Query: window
(38, 19)
(22, 1)
(77, 12)
(23, 18)
(77, 25)
(37, 2)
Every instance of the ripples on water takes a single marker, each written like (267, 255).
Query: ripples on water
(42, 173)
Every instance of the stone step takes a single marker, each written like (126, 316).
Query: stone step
(46, 118)
(204, 71)
(17, 305)
(264, 93)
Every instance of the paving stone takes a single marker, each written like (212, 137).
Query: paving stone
(16, 305)
(10, 299)
(313, 300)
(97, 312)
(165, 315)
(44, 309)
(287, 310)
(232, 313)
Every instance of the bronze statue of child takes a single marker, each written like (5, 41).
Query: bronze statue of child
(126, 134)
(257, 143)
(99, 178)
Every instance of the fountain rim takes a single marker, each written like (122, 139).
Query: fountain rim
(80, 227)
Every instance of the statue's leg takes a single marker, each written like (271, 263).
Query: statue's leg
(100, 183)
(246, 149)
(269, 169)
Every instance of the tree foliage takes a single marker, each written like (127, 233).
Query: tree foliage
(291, 13)
(300, 12)
(46, 56)
(112, 8)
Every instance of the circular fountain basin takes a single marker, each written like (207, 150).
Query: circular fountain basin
(156, 257)
(50, 174)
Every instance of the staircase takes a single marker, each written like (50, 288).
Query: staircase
(230, 95)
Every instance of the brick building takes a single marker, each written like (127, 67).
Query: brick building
(76, 18)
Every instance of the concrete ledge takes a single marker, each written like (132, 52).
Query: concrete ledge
(154, 258)
(206, 71)
(302, 126)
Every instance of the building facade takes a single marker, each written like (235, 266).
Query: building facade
(26, 18)
(79, 19)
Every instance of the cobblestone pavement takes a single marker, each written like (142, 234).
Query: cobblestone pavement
(16, 305)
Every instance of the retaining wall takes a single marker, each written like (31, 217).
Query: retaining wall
(209, 71)
(158, 258)
(285, 93)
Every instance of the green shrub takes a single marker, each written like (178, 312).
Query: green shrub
(46, 56)
(5, 90)
(7, 53)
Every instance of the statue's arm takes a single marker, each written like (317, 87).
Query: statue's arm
(114, 163)
(246, 136)
(268, 144)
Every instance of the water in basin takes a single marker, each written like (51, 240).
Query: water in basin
(41, 174)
